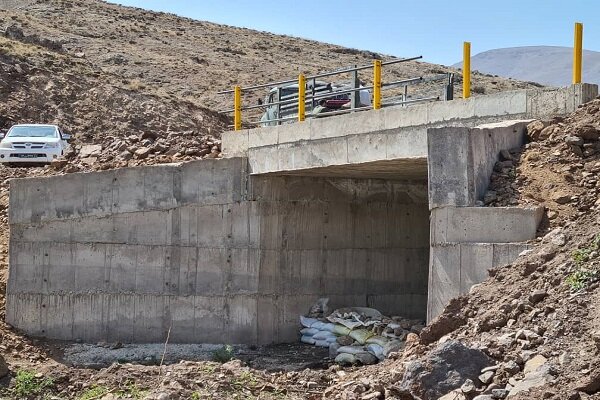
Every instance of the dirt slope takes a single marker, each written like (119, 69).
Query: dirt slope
(188, 59)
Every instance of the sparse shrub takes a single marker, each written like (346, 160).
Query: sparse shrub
(478, 89)
(583, 274)
(95, 392)
(581, 278)
(581, 256)
(27, 384)
(133, 391)
(223, 354)
(246, 380)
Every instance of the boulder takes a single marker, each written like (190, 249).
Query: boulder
(3, 367)
(535, 128)
(90, 150)
(534, 364)
(561, 197)
(547, 132)
(587, 132)
(537, 295)
(142, 152)
(59, 163)
(542, 376)
(574, 140)
(589, 384)
(445, 369)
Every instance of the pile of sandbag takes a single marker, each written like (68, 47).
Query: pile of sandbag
(356, 334)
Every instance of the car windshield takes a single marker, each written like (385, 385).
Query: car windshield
(32, 131)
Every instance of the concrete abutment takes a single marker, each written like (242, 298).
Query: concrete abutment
(225, 258)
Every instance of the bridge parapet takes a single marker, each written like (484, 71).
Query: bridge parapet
(391, 134)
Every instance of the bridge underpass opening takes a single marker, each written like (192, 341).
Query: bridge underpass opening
(357, 234)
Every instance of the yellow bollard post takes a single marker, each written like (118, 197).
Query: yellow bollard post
(301, 98)
(376, 84)
(577, 53)
(466, 70)
(237, 107)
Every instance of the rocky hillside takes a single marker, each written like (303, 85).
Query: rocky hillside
(181, 58)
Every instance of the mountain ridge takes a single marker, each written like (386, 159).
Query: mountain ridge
(547, 65)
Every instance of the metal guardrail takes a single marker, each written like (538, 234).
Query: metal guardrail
(297, 101)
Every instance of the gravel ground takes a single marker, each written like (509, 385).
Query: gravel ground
(89, 355)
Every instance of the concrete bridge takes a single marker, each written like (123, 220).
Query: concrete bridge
(370, 209)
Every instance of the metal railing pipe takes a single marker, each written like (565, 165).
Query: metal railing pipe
(325, 74)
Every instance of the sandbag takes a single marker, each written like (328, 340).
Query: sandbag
(307, 340)
(332, 339)
(376, 350)
(351, 349)
(323, 335)
(393, 346)
(361, 335)
(323, 326)
(322, 343)
(345, 359)
(366, 358)
(307, 322)
(340, 330)
(381, 341)
(309, 331)
(333, 350)
(345, 340)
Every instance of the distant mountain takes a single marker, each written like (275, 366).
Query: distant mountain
(549, 65)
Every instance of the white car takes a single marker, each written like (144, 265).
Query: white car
(32, 143)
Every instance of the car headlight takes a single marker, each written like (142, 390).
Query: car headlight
(5, 145)
(51, 145)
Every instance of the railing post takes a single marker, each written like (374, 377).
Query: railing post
(449, 87)
(355, 96)
(376, 84)
(466, 70)
(301, 98)
(278, 98)
(577, 53)
(237, 105)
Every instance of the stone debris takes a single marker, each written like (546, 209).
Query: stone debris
(446, 368)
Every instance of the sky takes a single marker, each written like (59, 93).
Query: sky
(434, 29)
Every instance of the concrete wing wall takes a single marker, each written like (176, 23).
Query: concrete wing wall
(461, 160)
(467, 241)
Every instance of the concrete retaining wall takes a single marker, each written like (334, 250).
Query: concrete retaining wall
(455, 267)
(200, 249)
